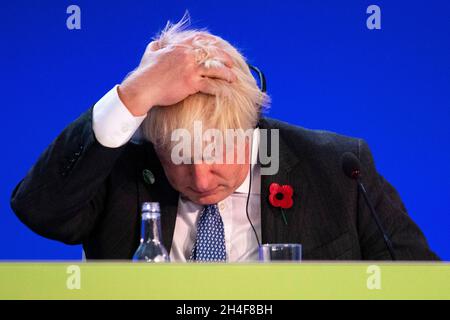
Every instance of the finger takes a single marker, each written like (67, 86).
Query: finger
(220, 54)
(218, 73)
(213, 63)
(213, 45)
(225, 57)
(205, 85)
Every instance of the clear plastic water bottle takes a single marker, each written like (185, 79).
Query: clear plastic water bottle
(151, 248)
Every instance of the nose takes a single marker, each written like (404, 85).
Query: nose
(201, 177)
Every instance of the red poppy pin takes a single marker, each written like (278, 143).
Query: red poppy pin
(281, 196)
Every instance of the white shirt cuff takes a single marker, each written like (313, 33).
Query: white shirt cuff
(112, 122)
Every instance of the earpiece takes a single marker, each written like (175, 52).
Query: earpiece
(263, 88)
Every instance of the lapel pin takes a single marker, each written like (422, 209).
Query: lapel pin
(148, 176)
(281, 196)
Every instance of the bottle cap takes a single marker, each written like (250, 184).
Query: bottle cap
(151, 208)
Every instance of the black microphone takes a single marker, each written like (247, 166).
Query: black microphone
(352, 168)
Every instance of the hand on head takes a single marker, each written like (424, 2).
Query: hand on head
(170, 72)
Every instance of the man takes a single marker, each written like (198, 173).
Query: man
(88, 185)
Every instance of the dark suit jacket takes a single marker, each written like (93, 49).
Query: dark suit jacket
(80, 192)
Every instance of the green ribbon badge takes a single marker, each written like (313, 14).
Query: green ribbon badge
(148, 176)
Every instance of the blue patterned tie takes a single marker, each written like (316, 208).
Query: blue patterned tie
(210, 242)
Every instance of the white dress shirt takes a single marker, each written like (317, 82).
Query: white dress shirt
(114, 126)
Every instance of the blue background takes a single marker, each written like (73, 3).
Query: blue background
(325, 70)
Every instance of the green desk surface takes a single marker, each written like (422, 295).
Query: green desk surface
(77, 280)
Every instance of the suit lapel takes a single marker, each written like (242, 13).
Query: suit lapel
(273, 227)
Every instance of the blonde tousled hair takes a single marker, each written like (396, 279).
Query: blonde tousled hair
(236, 106)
